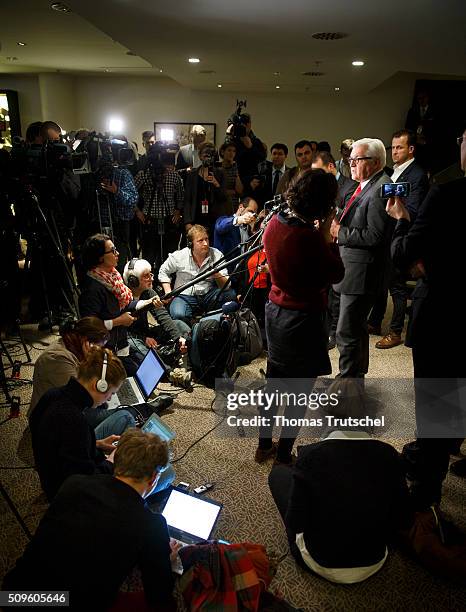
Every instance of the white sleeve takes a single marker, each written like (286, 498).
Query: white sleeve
(168, 268)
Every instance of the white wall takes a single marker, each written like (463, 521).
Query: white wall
(280, 117)
(89, 101)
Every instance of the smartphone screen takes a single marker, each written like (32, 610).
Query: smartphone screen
(389, 190)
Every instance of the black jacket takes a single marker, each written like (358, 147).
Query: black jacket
(216, 196)
(416, 176)
(97, 301)
(166, 325)
(63, 442)
(347, 498)
(95, 531)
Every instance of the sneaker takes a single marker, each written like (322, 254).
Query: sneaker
(263, 454)
(389, 341)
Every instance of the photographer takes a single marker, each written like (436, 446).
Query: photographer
(250, 151)
(205, 197)
(303, 262)
(233, 185)
(161, 189)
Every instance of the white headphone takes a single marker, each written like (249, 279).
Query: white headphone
(102, 384)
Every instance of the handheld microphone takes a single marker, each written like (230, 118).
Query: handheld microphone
(227, 308)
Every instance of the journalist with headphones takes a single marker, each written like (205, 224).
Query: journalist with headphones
(105, 295)
(63, 442)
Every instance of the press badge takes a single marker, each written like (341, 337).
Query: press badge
(205, 207)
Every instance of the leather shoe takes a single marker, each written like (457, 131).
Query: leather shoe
(262, 454)
(375, 330)
(332, 342)
(389, 341)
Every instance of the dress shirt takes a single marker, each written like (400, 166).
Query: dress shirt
(183, 265)
(398, 169)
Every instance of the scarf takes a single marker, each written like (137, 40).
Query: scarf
(114, 283)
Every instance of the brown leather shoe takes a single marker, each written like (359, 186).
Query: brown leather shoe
(389, 341)
(374, 330)
(263, 454)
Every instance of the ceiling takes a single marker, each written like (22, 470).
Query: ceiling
(246, 45)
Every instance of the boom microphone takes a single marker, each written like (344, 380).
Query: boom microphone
(227, 308)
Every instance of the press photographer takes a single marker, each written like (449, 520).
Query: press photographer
(162, 193)
(250, 150)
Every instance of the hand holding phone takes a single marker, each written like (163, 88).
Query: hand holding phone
(391, 190)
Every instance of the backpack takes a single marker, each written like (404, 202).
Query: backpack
(250, 338)
(211, 349)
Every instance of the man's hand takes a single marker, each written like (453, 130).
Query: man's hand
(210, 178)
(188, 226)
(174, 547)
(182, 345)
(254, 184)
(246, 218)
(417, 270)
(157, 302)
(396, 209)
(140, 215)
(246, 141)
(176, 217)
(151, 343)
(107, 443)
(109, 186)
(125, 319)
(334, 229)
(325, 227)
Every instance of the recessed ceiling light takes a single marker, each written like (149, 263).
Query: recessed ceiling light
(358, 63)
(60, 7)
(160, 70)
(107, 70)
(277, 86)
(21, 44)
(194, 60)
(219, 85)
(337, 89)
(276, 74)
(11, 58)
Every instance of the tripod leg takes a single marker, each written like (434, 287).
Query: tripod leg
(20, 335)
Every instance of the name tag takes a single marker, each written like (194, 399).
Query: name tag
(205, 207)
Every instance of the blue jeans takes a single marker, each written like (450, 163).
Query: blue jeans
(115, 424)
(165, 479)
(184, 307)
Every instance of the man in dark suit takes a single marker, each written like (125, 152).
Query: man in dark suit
(346, 186)
(303, 153)
(264, 185)
(405, 170)
(188, 155)
(438, 355)
(363, 232)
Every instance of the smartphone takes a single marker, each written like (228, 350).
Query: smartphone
(390, 190)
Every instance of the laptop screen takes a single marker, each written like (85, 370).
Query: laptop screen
(155, 425)
(190, 514)
(149, 373)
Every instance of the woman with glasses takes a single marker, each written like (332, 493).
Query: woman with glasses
(106, 296)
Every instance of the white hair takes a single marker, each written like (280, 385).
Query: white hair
(375, 148)
(197, 130)
(140, 266)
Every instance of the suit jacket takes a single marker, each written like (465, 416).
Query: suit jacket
(286, 179)
(417, 177)
(364, 241)
(346, 187)
(265, 193)
(185, 157)
(218, 201)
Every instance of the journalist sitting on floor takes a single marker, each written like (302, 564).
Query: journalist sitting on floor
(60, 362)
(168, 337)
(186, 264)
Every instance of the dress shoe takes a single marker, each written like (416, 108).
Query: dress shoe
(262, 454)
(389, 341)
(375, 330)
(332, 342)
(458, 468)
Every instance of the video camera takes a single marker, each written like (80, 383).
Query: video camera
(44, 161)
(162, 154)
(100, 150)
(238, 121)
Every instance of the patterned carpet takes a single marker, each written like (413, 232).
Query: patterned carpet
(241, 485)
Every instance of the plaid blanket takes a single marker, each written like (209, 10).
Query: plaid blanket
(224, 577)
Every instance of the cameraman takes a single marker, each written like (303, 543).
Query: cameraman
(205, 197)
(250, 150)
(162, 193)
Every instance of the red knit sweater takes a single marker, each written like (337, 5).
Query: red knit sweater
(302, 265)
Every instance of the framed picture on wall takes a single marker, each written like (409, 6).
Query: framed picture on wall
(179, 132)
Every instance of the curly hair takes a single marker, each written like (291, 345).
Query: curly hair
(313, 194)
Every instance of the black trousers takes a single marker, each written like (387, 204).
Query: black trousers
(352, 335)
(333, 311)
(399, 293)
(158, 239)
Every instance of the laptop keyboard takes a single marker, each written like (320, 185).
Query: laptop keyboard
(126, 394)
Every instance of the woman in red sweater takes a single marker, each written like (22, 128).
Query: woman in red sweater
(303, 261)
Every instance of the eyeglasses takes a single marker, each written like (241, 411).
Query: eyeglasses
(459, 140)
(147, 276)
(356, 160)
(112, 250)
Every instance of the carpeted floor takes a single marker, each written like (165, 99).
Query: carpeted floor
(241, 485)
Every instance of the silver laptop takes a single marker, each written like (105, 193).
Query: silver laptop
(137, 389)
(155, 425)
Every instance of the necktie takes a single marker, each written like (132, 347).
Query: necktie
(276, 178)
(350, 201)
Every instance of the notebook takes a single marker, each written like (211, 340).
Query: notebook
(137, 389)
(190, 519)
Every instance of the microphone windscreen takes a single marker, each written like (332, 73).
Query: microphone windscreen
(230, 307)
